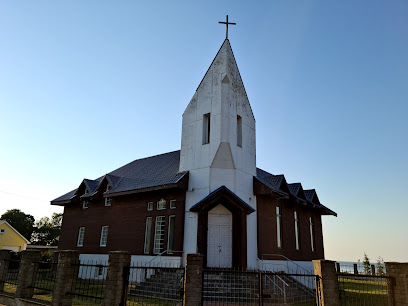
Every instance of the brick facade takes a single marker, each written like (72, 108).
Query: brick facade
(126, 218)
(266, 214)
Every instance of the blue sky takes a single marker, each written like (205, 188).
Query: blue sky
(87, 86)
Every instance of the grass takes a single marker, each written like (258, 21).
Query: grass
(363, 291)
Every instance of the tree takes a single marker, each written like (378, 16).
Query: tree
(380, 266)
(366, 264)
(46, 231)
(22, 222)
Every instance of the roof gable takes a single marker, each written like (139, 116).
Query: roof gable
(158, 170)
(215, 198)
(14, 230)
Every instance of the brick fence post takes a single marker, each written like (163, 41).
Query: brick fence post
(4, 256)
(193, 280)
(26, 274)
(117, 278)
(328, 284)
(67, 274)
(398, 289)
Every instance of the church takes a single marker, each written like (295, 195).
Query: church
(209, 197)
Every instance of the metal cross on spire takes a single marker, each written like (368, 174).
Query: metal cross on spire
(227, 23)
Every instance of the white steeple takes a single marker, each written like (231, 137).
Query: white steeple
(218, 144)
(218, 124)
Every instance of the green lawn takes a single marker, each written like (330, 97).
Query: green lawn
(363, 291)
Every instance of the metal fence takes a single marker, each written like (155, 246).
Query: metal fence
(10, 277)
(227, 286)
(155, 285)
(43, 282)
(360, 268)
(89, 286)
(357, 289)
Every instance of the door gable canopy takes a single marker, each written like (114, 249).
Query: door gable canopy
(225, 197)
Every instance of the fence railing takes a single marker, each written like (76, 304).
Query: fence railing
(357, 289)
(9, 278)
(159, 284)
(225, 286)
(44, 280)
(89, 282)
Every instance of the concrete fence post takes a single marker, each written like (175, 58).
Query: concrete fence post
(26, 274)
(355, 269)
(328, 284)
(338, 267)
(398, 289)
(193, 280)
(67, 274)
(372, 269)
(117, 278)
(4, 257)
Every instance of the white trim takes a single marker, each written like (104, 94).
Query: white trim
(168, 234)
(79, 235)
(152, 206)
(108, 200)
(279, 226)
(175, 204)
(312, 242)
(162, 201)
(150, 240)
(102, 232)
(155, 233)
(4, 221)
(297, 240)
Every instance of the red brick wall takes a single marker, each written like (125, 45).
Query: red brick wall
(126, 218)
(267, 231)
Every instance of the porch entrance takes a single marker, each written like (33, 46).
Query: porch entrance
(219, 240)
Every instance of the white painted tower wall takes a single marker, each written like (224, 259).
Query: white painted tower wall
(222, 94)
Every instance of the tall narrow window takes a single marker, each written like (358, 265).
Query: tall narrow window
(104, 236)
(206, 128)
(312, 242)
(159, 235)
(297, 230)
(239, 131)
(148, 235)
(108, 201)
(170, 242)
(279, 226)
(81, 236)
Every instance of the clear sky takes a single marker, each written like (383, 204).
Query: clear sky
(87, 86)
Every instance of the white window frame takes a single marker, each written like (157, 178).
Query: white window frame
(108, 200)
(81, 236)
(103, 242)
(85, 204)
(169, 233)
(150, 206)
(161, 201)
(148, 238)
(173, 204)
(279, 226)
(297, 234)
(2, 231)
(158, 244)
(206, 128)
(312, 242)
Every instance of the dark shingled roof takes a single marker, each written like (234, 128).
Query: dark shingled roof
(147, 172)
(163, 169)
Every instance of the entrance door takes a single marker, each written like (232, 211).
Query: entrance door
(219, 240)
